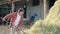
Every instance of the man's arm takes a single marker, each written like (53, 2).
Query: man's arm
(8, 16)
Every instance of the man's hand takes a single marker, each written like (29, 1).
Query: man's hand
(9, 26)
(18, 28)
(3, 19)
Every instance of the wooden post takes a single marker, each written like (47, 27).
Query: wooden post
(13, 6)
(44, 8)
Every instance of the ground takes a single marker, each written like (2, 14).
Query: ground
(5, 29)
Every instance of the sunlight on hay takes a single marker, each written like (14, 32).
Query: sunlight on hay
(54, 15)
(51, 24)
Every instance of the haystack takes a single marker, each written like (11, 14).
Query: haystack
(51, 24)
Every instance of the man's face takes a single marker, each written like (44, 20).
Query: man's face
(22, 12)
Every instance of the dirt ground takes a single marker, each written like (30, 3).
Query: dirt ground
(5, 30)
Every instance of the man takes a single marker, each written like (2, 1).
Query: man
(16, 20)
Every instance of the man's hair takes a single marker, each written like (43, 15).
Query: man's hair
(21, 9)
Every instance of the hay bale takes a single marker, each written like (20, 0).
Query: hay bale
(51, 24)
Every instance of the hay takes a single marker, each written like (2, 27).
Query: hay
(51, 24)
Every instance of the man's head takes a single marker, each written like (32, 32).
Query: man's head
(21, 11)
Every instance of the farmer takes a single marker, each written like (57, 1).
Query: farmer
(16, 20)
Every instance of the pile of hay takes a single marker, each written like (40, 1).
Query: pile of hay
(51, 24)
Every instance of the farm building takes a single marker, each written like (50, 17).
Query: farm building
(31, 7)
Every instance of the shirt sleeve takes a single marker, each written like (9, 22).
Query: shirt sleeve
(9, 15)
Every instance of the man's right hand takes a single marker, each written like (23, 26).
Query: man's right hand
(3, 19)
(9, 26)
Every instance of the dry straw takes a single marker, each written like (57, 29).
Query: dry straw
(51, 24)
